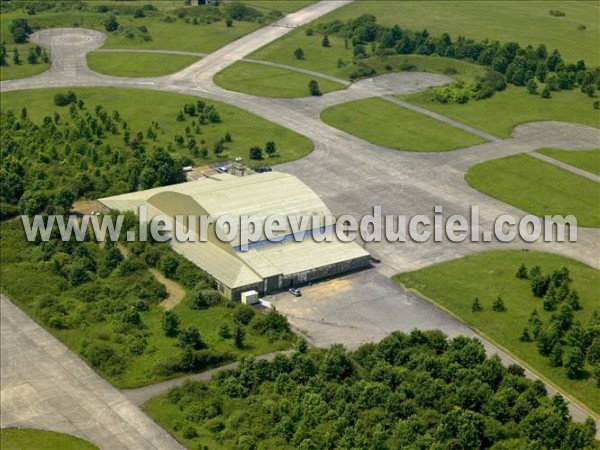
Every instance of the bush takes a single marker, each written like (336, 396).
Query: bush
(111, 24)
(407, 67)
(244, 314)
(205, 298)
(255, 153)
(20, 30)
(313, 88)
(61, 99)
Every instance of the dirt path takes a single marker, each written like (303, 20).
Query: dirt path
(175, 292)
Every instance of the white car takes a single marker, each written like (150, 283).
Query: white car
(222, 169)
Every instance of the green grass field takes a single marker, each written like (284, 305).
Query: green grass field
(505, 110)
(455, 284)
(525, 22)
(246, 129)
(134, 64)
(23, 70)
(316, 57)
(588, 160)
(29, 439)
(265, 81)
(538, 188)
(384, 123)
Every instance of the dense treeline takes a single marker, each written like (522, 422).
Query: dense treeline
(564, 340)
(46, 166)
(410, 391)
(507, 63)
(105, 301)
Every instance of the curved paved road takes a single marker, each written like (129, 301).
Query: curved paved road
(350, 174)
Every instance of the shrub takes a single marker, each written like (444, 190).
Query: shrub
(244, 314)
(313, 88)
(61, 99)
(255, 153)
(299, 53)
(205, 298)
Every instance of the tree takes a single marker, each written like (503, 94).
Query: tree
(224, 331)
(256, 153)
(313, 88)
(16, 57)
(574, 361)
(522, 272)
(218, 148)
(111, 24)
(550, 299)
(556, 355)
(170, 323)
(532, 87)
(589, 90)
(476, 307)
(20, 30)
(325, 42)
(299, 53)
(525, 336)
(78, 274)
(539, 283)
(190, 338)
(229, 22)
(64, 198)
(498, 305)
(546, 93)
(3, 54)
(32, 56)
(270, 148)
(238, 336)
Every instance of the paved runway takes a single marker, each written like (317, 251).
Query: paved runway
(44, 385)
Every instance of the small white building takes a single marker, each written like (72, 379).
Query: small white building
(249, 297)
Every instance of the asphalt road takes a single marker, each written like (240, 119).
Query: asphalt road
(45, 386)
(351, 176)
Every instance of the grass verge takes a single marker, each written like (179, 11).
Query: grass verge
(538, 188)
(384, 123)
(138, 64)
(455, 284)
(588, 160)
(28, 439)
(265, 81)
(23, 70)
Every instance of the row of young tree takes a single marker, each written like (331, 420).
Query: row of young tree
(34, 55)
(563, 339)
(417, 391)
(506, 63)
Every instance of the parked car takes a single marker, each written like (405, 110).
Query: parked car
(222, 169)
(296, 292)
(263, 169)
